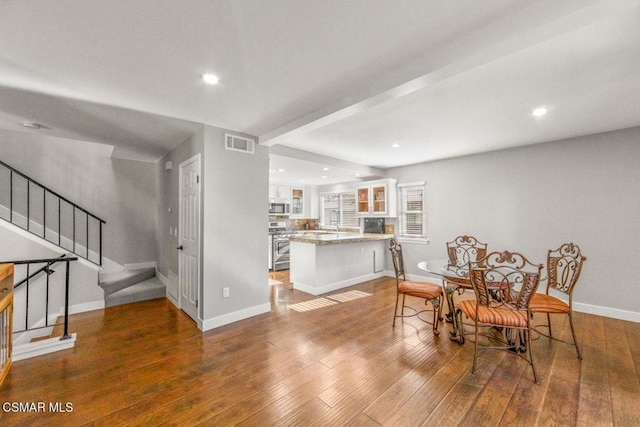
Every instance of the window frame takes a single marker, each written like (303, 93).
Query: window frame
(340, 209)
(402, 212)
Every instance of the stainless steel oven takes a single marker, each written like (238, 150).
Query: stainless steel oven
(280, 252)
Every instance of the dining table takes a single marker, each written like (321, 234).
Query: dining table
(455, 280)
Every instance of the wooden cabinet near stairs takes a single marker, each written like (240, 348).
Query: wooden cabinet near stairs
(6, 318)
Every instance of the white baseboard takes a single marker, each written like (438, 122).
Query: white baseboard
(38, 348)
(598, 310)
(614, 313)
(139, 265)
(84, 307)
(225, 319)
(318, 290)
(163, 279)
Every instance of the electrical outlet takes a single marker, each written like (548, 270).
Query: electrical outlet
(225, 292)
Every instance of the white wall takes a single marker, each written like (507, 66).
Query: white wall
(236, 189)
(534, 198)
(121, 192)
(234, 226)
(168, 193)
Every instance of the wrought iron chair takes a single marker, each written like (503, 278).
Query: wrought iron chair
(498, 305)
(563, 270)
(461, 251)
(465, 249)
(431, 293)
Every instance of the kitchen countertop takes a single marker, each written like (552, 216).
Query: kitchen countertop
(332, 238)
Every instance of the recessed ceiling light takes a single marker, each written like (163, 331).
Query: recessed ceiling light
(281, 170)
(325, 168)
(302, 180)
(395, 145)
(539, 112)
(210, 79)
(323, 176)
(358, 174)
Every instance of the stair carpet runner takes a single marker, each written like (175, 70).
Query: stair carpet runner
(129, 286)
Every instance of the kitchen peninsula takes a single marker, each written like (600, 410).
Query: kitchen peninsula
(325, 261)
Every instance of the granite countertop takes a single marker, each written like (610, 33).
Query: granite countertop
(332, 238)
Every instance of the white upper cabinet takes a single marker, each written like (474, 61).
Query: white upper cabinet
(304, 202)
(279, 193)
(377, 198)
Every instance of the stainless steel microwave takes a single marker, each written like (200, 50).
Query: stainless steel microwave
(278, 208)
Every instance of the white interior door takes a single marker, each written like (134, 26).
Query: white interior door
(189, 237)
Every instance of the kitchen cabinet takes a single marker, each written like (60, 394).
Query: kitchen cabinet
(377, 198)
(279, 193)
(320, 268)
(304, 202)
(297, 202)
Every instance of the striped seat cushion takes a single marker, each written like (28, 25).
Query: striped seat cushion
(494, 315)
(419, 289)
(544, 303)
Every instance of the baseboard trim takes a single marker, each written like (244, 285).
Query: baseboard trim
(225, 319)
(614, 313)
(39, 348)
(139, 265)
(580, 307)
(84, 307)
(318, 290)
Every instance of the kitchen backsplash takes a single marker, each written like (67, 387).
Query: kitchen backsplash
(296, 224)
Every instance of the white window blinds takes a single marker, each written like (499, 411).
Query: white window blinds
(339, 209)
(412, 215)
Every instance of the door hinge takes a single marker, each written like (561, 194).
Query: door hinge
(197, 179)
(196, 303)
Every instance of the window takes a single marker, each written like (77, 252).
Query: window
(413, 221)
(339, 209)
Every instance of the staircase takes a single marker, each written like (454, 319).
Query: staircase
(129, 286)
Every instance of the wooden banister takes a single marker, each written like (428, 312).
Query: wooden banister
(6, 318)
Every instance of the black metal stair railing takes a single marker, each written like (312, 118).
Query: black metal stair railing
(43, 293)
(35, 208)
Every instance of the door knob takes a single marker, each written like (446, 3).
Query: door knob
(179, 248)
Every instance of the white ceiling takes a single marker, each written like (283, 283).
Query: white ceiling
(341, 79)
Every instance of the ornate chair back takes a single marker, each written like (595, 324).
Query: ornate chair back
(563, 267)
(398, 262)
(494, 277)
(465, 249)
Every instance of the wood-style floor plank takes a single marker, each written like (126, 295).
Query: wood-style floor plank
(147, 364)
(623, 379)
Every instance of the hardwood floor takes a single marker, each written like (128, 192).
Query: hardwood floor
(147, 364)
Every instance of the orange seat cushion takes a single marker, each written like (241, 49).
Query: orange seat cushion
(494, 315)
(543, 303)
(420, 289)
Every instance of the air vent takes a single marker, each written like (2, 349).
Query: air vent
(239, 143)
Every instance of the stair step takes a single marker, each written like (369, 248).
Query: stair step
(114, 282)
(149, 289)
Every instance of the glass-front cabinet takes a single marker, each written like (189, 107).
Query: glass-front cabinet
(297, 202)
(372, 199)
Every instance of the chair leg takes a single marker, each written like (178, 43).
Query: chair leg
(530, 350)
(395, 312)
(573, 332)
(437, 307)
(475, 350)
(549, 325)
